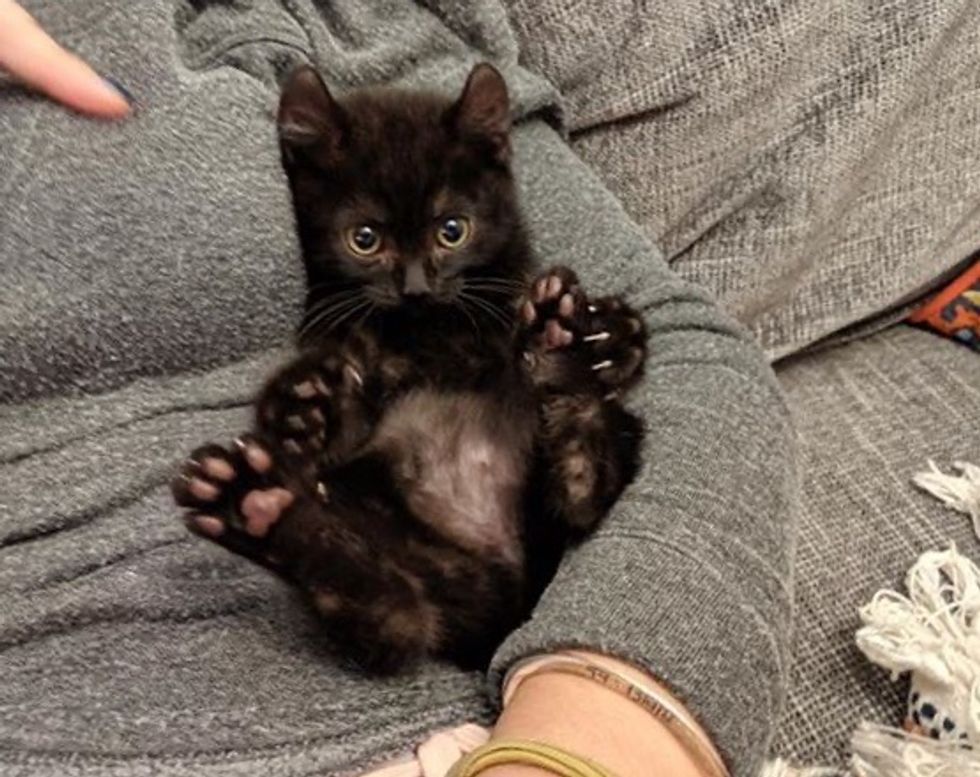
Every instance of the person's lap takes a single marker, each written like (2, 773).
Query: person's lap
(142, 262)
(126, 639)
(133, 253)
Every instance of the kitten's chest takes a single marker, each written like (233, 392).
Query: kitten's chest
(455, 360)
(461, 460)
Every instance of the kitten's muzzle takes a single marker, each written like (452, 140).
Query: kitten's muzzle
(415, 282)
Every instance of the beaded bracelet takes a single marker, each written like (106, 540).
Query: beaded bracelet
(526, 753)
(658, 704)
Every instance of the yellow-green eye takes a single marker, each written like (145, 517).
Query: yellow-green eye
(453, 232)
(364, 240)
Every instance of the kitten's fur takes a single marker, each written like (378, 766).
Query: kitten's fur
(449, 424)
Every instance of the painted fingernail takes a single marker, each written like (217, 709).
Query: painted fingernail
(122, 90)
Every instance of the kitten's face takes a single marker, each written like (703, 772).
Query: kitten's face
(402, 198)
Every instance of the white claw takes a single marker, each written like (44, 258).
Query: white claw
(598, 337)
(593, 309)
(602, 365)
(355, 375)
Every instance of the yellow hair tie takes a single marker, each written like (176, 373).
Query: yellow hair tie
(524, 753)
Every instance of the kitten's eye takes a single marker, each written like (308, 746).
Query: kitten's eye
(453, 232)
(363, 240)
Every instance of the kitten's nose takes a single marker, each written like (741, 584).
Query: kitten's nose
(416, 283)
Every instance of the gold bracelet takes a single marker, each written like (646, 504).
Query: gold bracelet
(526, 753)
(660, 706)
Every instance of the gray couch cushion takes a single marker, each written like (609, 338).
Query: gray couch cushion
(870, 414)
(813, 163)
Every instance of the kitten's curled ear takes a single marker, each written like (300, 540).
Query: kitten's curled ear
(308, 114)
(482, 112)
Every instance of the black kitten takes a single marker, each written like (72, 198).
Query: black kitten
(449, 425)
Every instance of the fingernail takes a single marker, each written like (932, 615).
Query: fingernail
(127, 95)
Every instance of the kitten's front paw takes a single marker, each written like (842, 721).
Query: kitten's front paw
(572, 342)
(231, 496)
(615, 341)
(299, 406)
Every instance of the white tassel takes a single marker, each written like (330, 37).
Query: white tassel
(880, 751)
(961, 492)
(934, 633)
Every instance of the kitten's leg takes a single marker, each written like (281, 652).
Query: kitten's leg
(583, 355)
(590, 451)
(315, 409)
(389, 589)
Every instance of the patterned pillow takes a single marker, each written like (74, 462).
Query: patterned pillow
(955, 311)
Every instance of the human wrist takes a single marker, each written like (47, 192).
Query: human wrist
(595, 723)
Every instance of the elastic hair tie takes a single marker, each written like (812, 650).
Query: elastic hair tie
(517, 752)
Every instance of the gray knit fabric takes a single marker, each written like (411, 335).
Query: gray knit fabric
(870, 415)
(191, 189)
(813, 163)
(151, 277)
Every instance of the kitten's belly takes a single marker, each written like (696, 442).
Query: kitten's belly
(461, 460)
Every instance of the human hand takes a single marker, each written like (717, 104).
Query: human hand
(31, 56)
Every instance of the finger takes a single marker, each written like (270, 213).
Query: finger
(30, 55)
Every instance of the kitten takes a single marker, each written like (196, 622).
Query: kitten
(449, 425)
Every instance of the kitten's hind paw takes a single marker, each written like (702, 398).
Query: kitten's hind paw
(231, 496)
